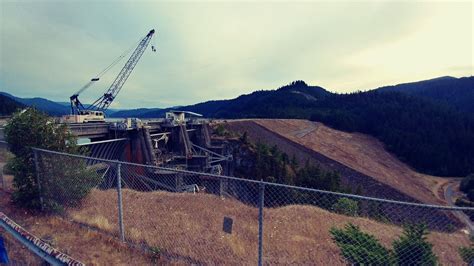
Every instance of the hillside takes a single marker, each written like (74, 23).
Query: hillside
(45, 105)
(456, 92)
(8, 105)
(363, 160)
(422, 123)
(139, 112)
(432, 138)
(297, 95)
(50, 107)
(294, 234)
(430, 135)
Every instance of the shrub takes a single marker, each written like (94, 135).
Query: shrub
(412, 248)
(467, 254)
(360, 248)
(65, 181)
(466, 203)
(31, 128)
(470, 195)
(8, 168)
(221, 131)
(346, 206)
(467, 183)
(375, 211)
(245, 138)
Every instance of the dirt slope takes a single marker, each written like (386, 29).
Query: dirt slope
(359, 152)
(188, 227)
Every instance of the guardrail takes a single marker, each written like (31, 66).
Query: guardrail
(36, 245)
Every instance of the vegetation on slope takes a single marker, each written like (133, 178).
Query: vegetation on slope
(45, 105)
(433, 139)
(272, 165)
(360, 248)
(8, 105)
(68, 180)
(458, 93)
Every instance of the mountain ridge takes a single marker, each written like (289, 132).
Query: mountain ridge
(456, 92)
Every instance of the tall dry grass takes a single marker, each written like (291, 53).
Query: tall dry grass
(188, 228)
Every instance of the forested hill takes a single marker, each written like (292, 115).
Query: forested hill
(45, 105)
(432, 137)
(457, 92)
(286, 102)
(8, 105)
(139, 112)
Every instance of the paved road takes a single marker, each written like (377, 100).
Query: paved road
(448, 195)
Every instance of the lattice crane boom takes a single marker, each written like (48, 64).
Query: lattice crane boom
(108, 97)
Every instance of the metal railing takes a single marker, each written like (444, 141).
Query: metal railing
(200, 218)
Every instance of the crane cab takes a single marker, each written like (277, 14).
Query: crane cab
(84, 116)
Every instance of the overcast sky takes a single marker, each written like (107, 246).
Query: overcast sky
(219, 50)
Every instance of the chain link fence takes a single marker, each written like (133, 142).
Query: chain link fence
(5, 176)
(198, 218)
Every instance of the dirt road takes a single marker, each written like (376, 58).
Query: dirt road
(449, 192)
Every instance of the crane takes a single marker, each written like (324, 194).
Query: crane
(95, 111)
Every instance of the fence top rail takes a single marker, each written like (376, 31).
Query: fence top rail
(351, 196)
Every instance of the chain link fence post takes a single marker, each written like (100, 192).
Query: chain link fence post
(38, 179)
(120, 206)
(261, 201)
(4, 183)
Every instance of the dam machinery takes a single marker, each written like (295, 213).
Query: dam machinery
(95, 112)
(180, 139)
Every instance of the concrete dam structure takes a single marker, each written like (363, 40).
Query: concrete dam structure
(172, 142)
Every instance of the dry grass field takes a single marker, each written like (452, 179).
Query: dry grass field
(88, 246)
(188, 227)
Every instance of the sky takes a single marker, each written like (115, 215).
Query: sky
(222, 49)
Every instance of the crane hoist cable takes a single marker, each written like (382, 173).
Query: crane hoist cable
(105, 70)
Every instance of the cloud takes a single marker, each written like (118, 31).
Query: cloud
(210, 50)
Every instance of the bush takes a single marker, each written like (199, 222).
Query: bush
(412, 248)
(467, 183)
(65, 181)
(221, 131)
(360, 248)
(346, 206)
(470, 195)
(31, 128)
(375, 211)
(467, 254)
(8, 168)
(462, 202)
